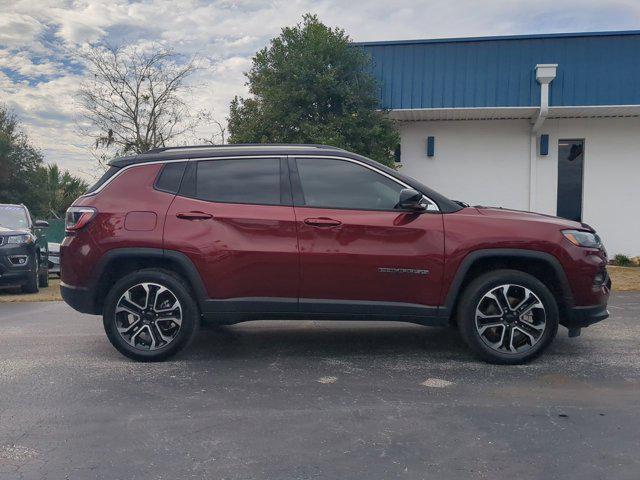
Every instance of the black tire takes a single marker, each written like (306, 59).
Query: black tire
(470, 301)
(43, 279)
(32, 284)
(178, 287)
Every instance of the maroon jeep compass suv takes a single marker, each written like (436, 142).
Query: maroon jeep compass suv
(177, 237)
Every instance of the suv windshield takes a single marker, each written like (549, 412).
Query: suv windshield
(13, 216)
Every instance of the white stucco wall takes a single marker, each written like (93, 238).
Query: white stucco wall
(486, 162)
(479, 162)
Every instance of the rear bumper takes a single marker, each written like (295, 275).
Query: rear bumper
(78, 298)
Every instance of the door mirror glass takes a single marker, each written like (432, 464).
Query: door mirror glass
(41, 223)
(411, 199)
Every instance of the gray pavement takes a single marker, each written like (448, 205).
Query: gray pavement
(307, 400)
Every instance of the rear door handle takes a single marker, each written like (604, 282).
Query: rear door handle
(322, 222)
(194, 215)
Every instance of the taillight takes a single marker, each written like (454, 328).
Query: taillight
(78, 217)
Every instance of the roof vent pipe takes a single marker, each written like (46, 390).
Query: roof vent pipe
(545, 73)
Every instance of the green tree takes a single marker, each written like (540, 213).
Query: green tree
(24, 178)
(311, 85)
(19, 162)
(60, 189)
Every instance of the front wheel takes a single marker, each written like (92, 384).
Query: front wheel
(31, 285)
(150, 315)
(507, 316)
(43, 279)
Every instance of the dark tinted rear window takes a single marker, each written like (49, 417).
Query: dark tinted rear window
(106, 176)
(251, 181)
(171, 176)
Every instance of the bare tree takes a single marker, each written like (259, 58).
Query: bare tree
(217, 131)
(133, 98)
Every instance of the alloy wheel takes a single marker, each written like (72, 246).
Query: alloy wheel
(510, 319)
(148, 316)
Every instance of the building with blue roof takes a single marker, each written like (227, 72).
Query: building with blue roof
(547, 123)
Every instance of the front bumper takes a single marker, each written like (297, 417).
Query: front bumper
(581, 317)
(15, 278)
(10, 273)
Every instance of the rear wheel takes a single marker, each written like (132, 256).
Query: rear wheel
(150, 315)
(507, 316)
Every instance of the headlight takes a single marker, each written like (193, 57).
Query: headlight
(583, 239)
(16, 239)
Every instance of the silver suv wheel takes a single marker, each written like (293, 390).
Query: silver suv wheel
(510, 319)
(148, 316)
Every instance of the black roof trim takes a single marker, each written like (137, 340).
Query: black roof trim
(204, 151)
(241, 145)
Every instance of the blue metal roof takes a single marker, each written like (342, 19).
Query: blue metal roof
(600, 68)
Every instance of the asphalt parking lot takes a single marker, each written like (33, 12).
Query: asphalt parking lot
(306, 400)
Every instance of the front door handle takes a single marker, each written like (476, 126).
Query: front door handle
(322, 222)
(194, 215)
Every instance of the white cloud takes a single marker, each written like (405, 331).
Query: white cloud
(232, 65)
(37, 40)
(48, 114)
(25, 66)
(17, 29)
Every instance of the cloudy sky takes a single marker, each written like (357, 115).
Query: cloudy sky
(39, 74)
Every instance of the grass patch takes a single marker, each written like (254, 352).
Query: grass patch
(49, 294)
(624, 279)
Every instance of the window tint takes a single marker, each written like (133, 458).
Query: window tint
(251, 180)
(171, 176)
(342, 184)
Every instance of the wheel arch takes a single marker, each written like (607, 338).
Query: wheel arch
(544, 266)
(120, 261)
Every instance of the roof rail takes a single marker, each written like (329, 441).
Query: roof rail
(184, 147)
(241, 145)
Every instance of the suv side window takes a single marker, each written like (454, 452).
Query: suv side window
(255, 181)
(332, 183)
(170, 177)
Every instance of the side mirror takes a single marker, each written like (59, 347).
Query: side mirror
(41, 224)
(411, 199)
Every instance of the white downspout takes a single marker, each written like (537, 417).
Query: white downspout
(545, 73)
